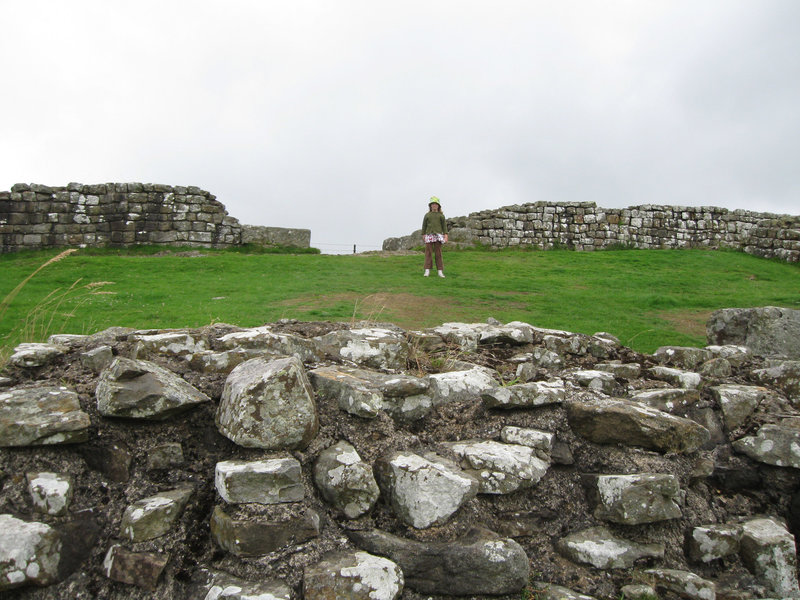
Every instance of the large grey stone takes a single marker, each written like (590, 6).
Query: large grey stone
(41, 416)
(617, 421)
(172, 343)
(667, 399)
(31, 355)
(345, 480)
(499, 468)
(268, 481)
(784, 375)
(50, 493)
(353, 575)
(710, 542)
(768, 550)
(423, 491)
(262, 340)
(268, 404)
(598, 547)
(684, 357)
(684, 583)
(155, 515)
(141, 389)
(540, 441)
(773, 444)
(522, 395)
(594, 379)
(635, 499)
(372, 347)
(767, 330)
(478, 564)
(216, 585)
(256, 535)
(29, 553)
(353, 393)
(737, 402)
(460, 385)
(677, 377)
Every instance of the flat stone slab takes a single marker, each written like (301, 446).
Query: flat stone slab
(269, 481)
(499, 468)
(29, 553)
(685, 357)
(676, 377)
(618, 421)
(140, 389)
(354, 575)
(172, 343)
(667, 399)
(459, 385)
(635, 499)
(525, 395)
(41, 416)
(479, 563)
(31, 355)
(684, 583)
(372, 347)
(257, 535)
(216, 585)
(423, 491)
(353, 392)
(598, 547)
(262, 340)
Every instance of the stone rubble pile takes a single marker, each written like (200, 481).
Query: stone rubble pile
(330, 461)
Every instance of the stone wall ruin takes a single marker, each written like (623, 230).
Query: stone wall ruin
(585, 226)
(296, 459)
(125, 214)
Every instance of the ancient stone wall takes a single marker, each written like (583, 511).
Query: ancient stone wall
(123, 214)
(585, 226)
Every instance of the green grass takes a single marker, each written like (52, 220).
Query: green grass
(647, 298)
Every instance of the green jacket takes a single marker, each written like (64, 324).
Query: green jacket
(434, 222)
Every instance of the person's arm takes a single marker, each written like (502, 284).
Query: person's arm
(444, 227)
(424, 223)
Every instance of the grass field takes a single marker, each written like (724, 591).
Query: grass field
(647, 298)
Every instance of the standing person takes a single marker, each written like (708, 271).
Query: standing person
(434, 234)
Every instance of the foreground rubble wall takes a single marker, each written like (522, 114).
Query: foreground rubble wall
(305, 460)
(586, 226)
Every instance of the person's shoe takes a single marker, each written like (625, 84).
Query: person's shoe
(441, 274)
(426, 273)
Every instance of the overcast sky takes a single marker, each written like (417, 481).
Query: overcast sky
(345, 116)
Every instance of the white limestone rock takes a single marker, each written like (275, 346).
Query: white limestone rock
(599, 381)
(268, 481)
(668, 399)
(598, 547)
(773, 444)
(540, 441)
(523, 395)
(372, 347)
(500, 468)
(355, 575)
(172, 343)
(31, 355)
(345, 480)
(354, 394)
(676, 377)
(461, 385)
(29, 553)
(636, 499)
(216, 585)
(154, 516)
(50, 493)
(738, 402)
(41, 416)
(710, 542)
(768, 550)
(262, 341)
(424, 491)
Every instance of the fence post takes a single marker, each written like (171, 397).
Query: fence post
(354, 248)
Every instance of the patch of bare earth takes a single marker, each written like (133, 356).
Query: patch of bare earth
(690, 322)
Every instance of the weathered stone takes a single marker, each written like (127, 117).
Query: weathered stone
(41, 416)
(98, 358)
(141, 569)
(154, 516)
(32, 355)
(512, 333)
(165, 456)
(735, 355)
(549, 591)
(540, 358)
(29, 553)
(50, 493)
(737, 402)
(638, 591)
(112, 460)
(260, 340)
(352, 393)
(600, 381)
(171, 343)
(540, 441)
(216, 585)
(479, 563)
(345, 480)
(598, 547)
(767, 331)
(676, 377)
(257, 535)
(140, 389)
(372, 347)
(460, 385)
(224, 362)
(635, 499)
(768, 550)
(667, 399)
(621, 370)
(523, 395)
(710, 542)
(684, 583)
(685, 357)
(716, 368)
(268, 404)
(465, 335)
(612, 421)
(784, 375)
(773, 444)
(353, 575)
(423, 491)
(268, 481)
(499, 468)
